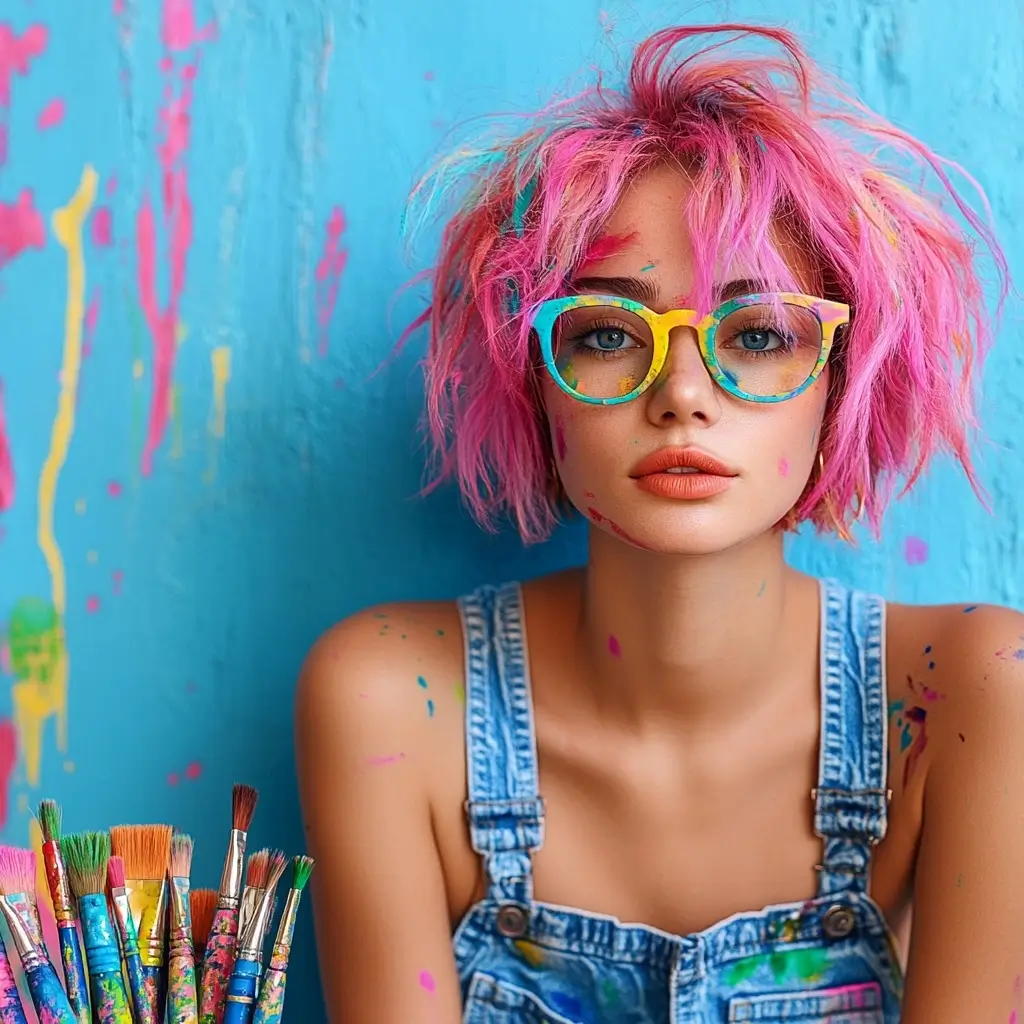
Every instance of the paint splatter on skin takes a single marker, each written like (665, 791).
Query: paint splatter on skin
(924, 691)
(1012, 652)
(762, 588)
(328, 272)
(560, 447)
(101, 227)
(51, 115)
(21, 228)
(1018, 992)
(649, 267)
(379, 761)
(7, 483)
(179, 35)
(422, 683)
(597, 517)
(427, 982)
(38, 652)
(16, 56)
(460, 693)
(613, 647)
(783, 467)
(915, 551)
(912, 725)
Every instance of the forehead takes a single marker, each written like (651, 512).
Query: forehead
(652, 220)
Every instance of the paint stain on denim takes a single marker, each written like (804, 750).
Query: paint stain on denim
(805, 965)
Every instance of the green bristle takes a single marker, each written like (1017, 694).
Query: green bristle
(302, 868)
(86, 855)
(50, 818)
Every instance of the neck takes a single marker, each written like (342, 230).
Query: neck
(690, 636)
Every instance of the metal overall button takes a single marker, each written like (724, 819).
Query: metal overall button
(512, 921)
(838, 922)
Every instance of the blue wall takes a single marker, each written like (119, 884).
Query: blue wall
(205, 474)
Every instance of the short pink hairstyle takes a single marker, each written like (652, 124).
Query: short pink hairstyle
(766, 140)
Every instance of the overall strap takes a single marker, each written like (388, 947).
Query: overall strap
(506, 815)
(851, 798)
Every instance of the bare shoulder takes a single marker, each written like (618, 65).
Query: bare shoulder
(384, 682)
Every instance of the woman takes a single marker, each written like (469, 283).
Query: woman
(706, 787)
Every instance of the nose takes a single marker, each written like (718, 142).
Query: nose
(684, 391)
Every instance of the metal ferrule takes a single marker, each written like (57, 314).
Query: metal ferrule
(125, 924)
(286, 927)
(181, 912)
(250, 901)
(233, 873)
(250, 944)
(21, 935)
(57, 882)
(148, 900)
(25, 906)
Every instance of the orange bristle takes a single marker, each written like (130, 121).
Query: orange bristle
(181, 855)
(17, 870)
(115, 872)
(243, 806)
(203, 904)
(146, 850)
(257, 869)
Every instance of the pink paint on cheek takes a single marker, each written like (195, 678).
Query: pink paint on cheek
(6, 462)
(51, 115)
(613, 647)
(102, 227)
(427, 982)
(560, 448)
(328, 273)
(92, 604)
(783, 467)
(21, 227)
(915, 551)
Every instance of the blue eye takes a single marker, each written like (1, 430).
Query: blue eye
(760, 341)
(608, 339)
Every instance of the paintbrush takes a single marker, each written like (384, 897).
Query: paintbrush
(182, 1003)
(122, 915)
(12, 1010)
(219, 956)
(245, 977)
(87, 855)
(18, 906)
(202, 904)
(64, 911)
(271, 1001)
(146, 850)
(257, 871)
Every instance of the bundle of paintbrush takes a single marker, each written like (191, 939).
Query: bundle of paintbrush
(157, 951)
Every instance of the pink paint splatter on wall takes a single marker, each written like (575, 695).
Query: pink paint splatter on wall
(21, 228)
(101, 227)
(16, 56)
(6, 461)
(8, 759)
(92, 315)
(51, 115)
(915, 551)
(329, 269)
(179, 35)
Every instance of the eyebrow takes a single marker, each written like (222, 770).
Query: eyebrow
(644, 290)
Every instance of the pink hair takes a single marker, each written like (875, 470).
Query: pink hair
(766, 140)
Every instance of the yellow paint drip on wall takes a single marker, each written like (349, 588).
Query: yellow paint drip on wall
(39, 692)
(220, 364)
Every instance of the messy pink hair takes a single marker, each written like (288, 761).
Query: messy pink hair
(766, 140)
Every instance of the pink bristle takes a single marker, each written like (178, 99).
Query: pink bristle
(115, 872)
(17, 870)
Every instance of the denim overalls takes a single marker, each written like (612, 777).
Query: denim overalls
(830, 959)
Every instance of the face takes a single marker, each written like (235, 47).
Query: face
(767, 451)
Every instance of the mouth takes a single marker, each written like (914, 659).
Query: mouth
(682, 462)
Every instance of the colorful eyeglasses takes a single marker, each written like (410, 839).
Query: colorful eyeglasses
(768, 347)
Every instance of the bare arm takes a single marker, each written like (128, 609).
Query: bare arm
(378, 892)
(967, 949)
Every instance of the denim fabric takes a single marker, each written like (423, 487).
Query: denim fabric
(830, 959)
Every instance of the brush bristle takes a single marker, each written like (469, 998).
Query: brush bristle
(50, 818)
(181, 855)
(278, 862)
(257, 868)
(302, 868)
(146, 849)
(203, 904)
(17, 870)
(87, 855)
(243, 806)
(115, 872)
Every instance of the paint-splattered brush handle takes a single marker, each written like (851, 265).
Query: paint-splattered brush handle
(106, 985)
(217, 964)
(12, 1010)
(182, 1001)
(48, 996)
(73, 965)
(242, 985)
(270, 1007)
(154, 983)
(137, 983)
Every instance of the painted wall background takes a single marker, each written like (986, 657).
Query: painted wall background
(199, 255)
